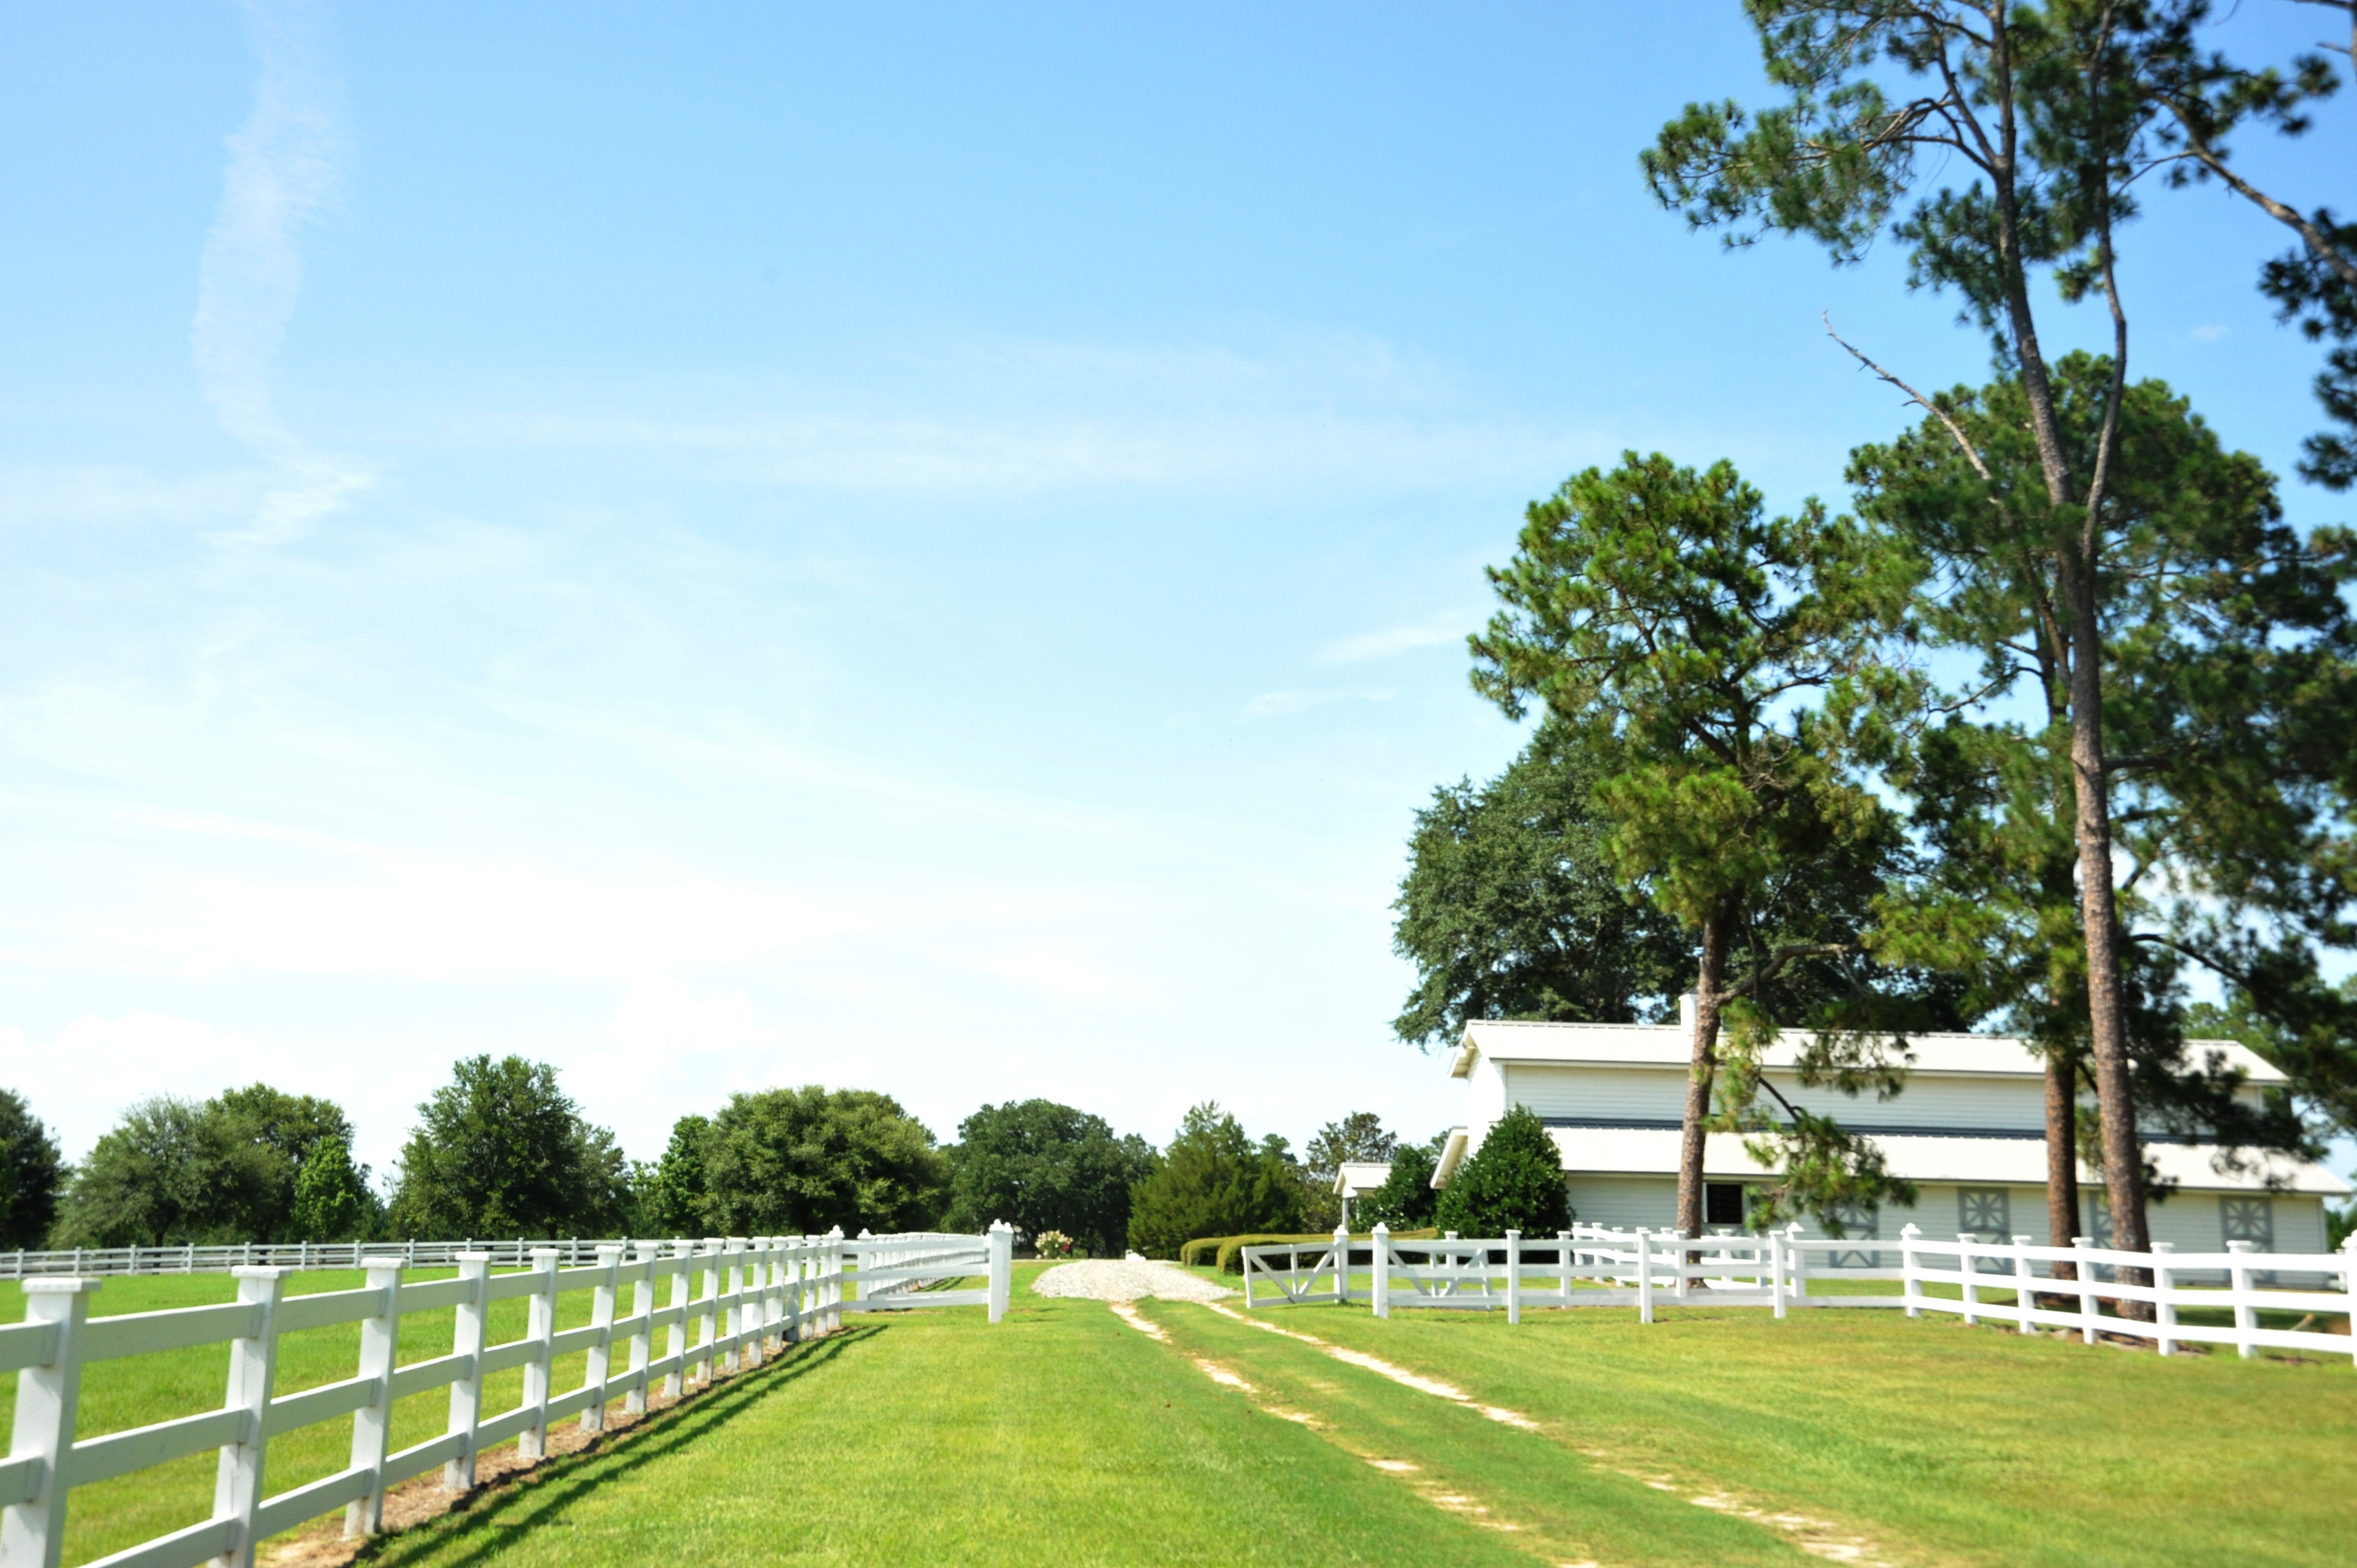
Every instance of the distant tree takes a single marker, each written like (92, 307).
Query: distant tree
(501, 1151)
(1358, 1138)
(1512, 906)
(1043, 1166)
(1512, 1182)
(675, 1193)
(1214, 1181)
(801, 1161)
(332, 1202)
(167, 1174)
(31, 1172)
(1406, 1200)
(276, 1135)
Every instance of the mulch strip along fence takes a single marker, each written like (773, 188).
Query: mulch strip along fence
(758, 1296)
(1591, 1265)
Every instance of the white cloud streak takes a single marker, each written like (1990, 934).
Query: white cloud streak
(283, 172)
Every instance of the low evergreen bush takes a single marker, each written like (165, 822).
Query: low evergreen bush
(1513, 1182)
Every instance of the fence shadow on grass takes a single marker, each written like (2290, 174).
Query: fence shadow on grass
(478, 1525)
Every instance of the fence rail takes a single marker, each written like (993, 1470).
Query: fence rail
(757, 1296)
(1590, 1265)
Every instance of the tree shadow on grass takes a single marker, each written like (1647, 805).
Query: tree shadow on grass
(481, 1523)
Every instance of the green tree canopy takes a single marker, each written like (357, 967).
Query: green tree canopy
(802, 1161)
(676, 1194)
(331, 1201)
(168, 1174)
(1512, 906)
(278, 1135)
(1405, 1201)
(31, 1173)
(1043, 1166)
(1359, 1137)
(1213, 1180)
(1512, 1182)
(2035, 124)
(2228, 663)
(1679, 637)
(501, 1151)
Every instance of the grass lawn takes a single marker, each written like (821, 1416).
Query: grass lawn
(1068, 1436)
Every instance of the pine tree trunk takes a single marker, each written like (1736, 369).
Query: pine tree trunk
(2106, 1001)
(2061, 1155)
(1716, 931)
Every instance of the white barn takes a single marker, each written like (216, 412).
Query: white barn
(1969, 1130)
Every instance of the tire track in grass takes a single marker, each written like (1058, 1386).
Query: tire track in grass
(1824, 1538)
(1530, 1497)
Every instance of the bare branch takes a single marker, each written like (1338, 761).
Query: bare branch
(1971, 453)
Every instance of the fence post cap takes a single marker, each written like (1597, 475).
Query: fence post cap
(2241, 1246)
(2164, 1246)
(1381, 1228)
(259, 1271)
(45, 1284)
(1910, 1229)
(551, 1253)
(2078, 1241)
(1513, 1235)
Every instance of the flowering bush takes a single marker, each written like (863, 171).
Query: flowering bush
(1052, 1244)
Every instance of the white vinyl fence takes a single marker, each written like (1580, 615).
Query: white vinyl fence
(731, 1303)
(1590, 1265)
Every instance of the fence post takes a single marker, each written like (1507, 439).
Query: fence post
(642, 1335)
(1966, 1283)
(2163, 1299)
(708, 1308)
(752, 1302)
(541, 1328)
(467, 1391)
(253, 1368)
(601, 1349)
(675, 1337)
(729, 1315)
(1644, 1275)
(1002, 1268)
(1342, 1265)
(1513, 1277)
(1908, 1269)
(1776, 1273)
(372, 1423)
(2348, 1285)
(2024, 1301)
(1379, 1288)
(836, 1277)
(2090, 1315)
(2246, 1317)
(33, 1532)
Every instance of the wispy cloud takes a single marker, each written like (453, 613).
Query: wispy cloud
(1277, 704)
(283, 172)
(2208, 334)
(1394, 640)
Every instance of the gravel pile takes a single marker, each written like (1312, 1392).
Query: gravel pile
(1103, 1279)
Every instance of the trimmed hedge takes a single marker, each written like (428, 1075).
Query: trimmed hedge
(1226, 1252)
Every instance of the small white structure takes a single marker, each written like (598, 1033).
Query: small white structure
(1969, 1130)
(1357, 1179)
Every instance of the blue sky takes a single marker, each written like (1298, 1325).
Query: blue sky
(917, 548)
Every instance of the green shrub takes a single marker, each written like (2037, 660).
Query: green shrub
(1513, 1182)
(1199, 1250)
(1230, 1253)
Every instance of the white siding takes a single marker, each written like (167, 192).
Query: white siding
(2014, 1104)
(1647, 1094)
(1626, 1202)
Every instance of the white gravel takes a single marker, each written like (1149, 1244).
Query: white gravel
(1103, 1279)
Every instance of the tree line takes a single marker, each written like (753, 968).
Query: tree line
(501, 1150)
(2050, 724)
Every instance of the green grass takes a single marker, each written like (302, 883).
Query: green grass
(1934, 1440)
(1065, 1436)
